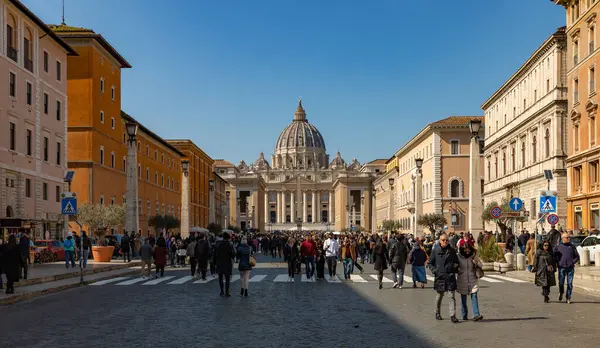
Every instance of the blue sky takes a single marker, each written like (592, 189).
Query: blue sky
(227, 74)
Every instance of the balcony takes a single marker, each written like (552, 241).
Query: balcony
(12, 53)
(576, 59)
(29, 64)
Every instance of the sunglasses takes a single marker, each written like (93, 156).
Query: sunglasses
(546, 245)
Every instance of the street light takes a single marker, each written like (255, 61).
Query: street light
(475, 126)
(132, 128)
(132, 217)
(419, 163)
(391, 182)
(475, 194)
(185, 165)
(185, 197)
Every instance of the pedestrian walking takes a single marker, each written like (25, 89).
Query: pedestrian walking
(398, 258)
(160, 256)
(444, 266)
(290, 254)
(202, 254)
(467, 283)
(181, 253)
(224, 255)
(331, 248)
(132, 243)
(245, 264)
(381, 259)
(69, 246)
(24, 247)
(544, 267)
(347, 257)
(354, 254)
(191, 253)
(320, 262)
(86, 245)
(126, 248)
(566, 257)
(418, 259)
(307, 252)
(146, 257)
(554, 237)
(11, 263)
(530, 252)
(172, 246)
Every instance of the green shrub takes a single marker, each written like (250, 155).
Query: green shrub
(489, 251)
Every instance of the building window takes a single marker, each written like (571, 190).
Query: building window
(156, 155)
(58, 71)
(504, 172)
(102, 84)
(455, 188)
(156, 178)
(29, 93)
(28, 142)
(45, 149)
(162, 158)
(124, 164)
(28, 188)
(45, 191)
(524, 105)
(575, 91)
(575, 52)
(147, 174)
(533, 149)
(101, 154)
(112, 200)
(592, 122)
(10, 38)
(45, 61)
(576, 137)
(101, 116)
(58, 149)
(496, 166)
(577, 179)
(101, 199)
(454, 147)
(523, 154)
(547, 86)
(112, 159)
(46, 103)
(139, 170)
(162, 183)
(147, 151)
(112, 92)
(591, 38)
(595, 216)
(12, 88)
(58, 107)
(547, 142)
(57, 193)
(489, 169)
(27, 50)
(592, 80)
(112, 122)
(12, 136)
(534, 95)
(594, 175)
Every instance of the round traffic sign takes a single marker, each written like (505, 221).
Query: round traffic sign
(495, 212)
(552, 219)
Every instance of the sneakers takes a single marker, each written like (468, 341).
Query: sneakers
(568, 301)
(395, 285)
(453, 319)
(399, 286)
(478, 318)
(438, 316)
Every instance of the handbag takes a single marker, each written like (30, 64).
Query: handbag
(479, 271)
(252, 261)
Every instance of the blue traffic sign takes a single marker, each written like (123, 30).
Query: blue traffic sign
(516, 203)
(68, 206)
(547, 204)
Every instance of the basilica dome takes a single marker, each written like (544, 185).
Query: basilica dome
(300, 133)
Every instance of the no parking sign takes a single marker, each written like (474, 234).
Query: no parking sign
(553, 219)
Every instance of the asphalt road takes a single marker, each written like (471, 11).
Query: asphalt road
(279, 314)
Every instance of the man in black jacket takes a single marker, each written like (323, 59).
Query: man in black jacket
(444, 266)
(224, 255)
(24, 246)
(201, 253)
(125, 248)
(398, 256)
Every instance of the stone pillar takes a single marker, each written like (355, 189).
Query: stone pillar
(330, 208)
(318, 206)
(418, 202)
(278, 213)
(314, 206)
(292, 207)
(304, 207)
(132, 218)
(267, 205)
(211, 205)
(475, 201)
(185, 204)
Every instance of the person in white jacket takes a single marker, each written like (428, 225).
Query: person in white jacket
(331, 248)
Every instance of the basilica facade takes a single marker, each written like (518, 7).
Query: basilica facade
(301, 187)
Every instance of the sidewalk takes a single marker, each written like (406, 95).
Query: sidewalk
(585, 278)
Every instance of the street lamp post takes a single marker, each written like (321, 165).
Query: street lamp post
(390, 203)
(132, 217)
(185, 198)
(239, 213)
(475, 196)
(418, 194)
(211, 201)
(374, 211)
(227, 218)
(362, 210)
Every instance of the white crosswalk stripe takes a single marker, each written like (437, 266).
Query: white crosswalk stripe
(335, 279)
(408, 278)
(257, 278)
(108, 281)
(490, 280)
(508, 279)
(357, 279)
(281, 278)
(158, 280)
(430, 278)
(202, 281)
(385, 279)
(132, 281)
(182, 280)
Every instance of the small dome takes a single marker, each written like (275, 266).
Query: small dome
(338, 162)
(300, 133)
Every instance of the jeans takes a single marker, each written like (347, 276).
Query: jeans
(84, 258)
(568, 272)
(227, 280)
(193, 264)
(474, 304)
(69, 256)
(172, 258)
(347, 267)
(398, 275)
(451, 302)
(126, 256)
(310, 265)
(522, 249)
(331, 265)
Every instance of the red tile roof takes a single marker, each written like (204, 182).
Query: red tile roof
(457, 120)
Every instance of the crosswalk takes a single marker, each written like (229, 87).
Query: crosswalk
(279, 278)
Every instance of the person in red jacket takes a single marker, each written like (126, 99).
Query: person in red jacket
(160, 256)
(307, 251)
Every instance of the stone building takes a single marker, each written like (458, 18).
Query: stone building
(33, 123)
(527, 132)
(301, 187)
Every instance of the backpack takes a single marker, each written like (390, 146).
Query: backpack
(68, 243)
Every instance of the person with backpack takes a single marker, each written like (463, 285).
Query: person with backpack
(202, 253)
(566, 257)
(69, 250)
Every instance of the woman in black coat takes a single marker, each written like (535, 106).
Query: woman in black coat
(11, 262)
(380, 254)
(544, 267)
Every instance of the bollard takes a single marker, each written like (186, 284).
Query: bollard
(520, 262)
(584, 258)
(510, 258)
(597, 258)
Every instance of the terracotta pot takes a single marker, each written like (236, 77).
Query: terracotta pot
(102, 253)
(502, 246)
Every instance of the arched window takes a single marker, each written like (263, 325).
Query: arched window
(11, 37)
(28, 50)
(504, 172)
(455, 188)
(533, 149)
(547, 143)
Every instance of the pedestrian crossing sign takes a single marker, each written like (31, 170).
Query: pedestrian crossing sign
(547, 204)
(68, 204)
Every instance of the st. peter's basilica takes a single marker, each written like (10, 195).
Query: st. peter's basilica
(300, 187)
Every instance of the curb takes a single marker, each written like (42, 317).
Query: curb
(107, 268)
(30, 295)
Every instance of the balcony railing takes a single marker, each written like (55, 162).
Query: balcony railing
(29, 64)
(12, 53)
(575, 59)
(594, 187)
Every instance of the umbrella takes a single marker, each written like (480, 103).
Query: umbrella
(197, 229)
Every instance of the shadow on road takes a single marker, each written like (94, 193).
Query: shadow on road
(513, 319)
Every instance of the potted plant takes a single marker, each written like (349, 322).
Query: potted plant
(99, 218)
(490, 254)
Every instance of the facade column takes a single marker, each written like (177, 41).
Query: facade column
(267, 217)
(185, 203)
(292, 208)
(475, 200)
(330, 208)
(304, 206)
(278, 207)
(132, 217)
(314, 206)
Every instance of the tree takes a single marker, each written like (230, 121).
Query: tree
(235, 229)
(503, 223)
(390, 225)
(99, 218)
(215, 228)
(167, 222)
(431, 221)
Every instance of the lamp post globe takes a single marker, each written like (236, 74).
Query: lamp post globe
(475, 126)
